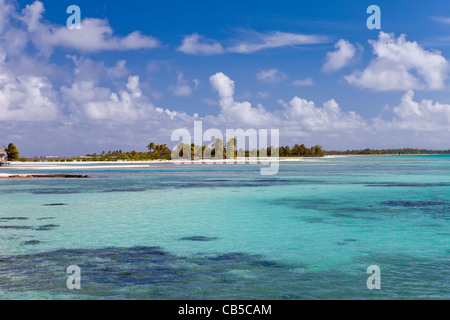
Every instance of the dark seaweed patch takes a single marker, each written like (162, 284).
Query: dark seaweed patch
(31, 243)
(47, 227)
(313, 219)
(199, 238)
(126, 190)
(413, 203)
(13, 218)
(234, 256)
(352, 216)
(345, 241)
(16, 227)
(151, 273)
(61, 191)
(411, 185)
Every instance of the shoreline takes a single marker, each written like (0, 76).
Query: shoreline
(70, 169)
(247, 159)
(88, 165)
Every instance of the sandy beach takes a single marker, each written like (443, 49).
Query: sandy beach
(79, 165)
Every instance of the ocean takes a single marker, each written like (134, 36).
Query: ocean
(202, 231)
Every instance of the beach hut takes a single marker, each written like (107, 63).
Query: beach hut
(3, 157)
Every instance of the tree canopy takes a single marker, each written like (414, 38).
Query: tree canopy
(12, 152)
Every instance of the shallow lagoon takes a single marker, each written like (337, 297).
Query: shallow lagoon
(165, 231)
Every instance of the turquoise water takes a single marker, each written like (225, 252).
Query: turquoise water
(164, 231)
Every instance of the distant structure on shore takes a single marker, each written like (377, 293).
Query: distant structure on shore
(3, 157)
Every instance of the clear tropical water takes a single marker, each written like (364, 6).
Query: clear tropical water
(164, 231)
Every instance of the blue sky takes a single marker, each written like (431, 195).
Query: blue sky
(137, 70)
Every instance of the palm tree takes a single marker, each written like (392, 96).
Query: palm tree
(218, 148)
(231, 148)
(12, 152)
(151, 146)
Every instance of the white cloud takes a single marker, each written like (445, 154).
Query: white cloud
(94, 35)
(263, 94)
(101, 106)
(421, 116)
(196, 83)
(88, 101)
(6, 11)
(304, 82)
(119, 70)
(401, 65)
(25, 97)
(271, 76)
(341, 57)
(182, 88)
(243, 112)
(274, 39)
(299, 117)
(197, 45)
(418, 124)
(88, 69)
(444, 20)
(328, 118)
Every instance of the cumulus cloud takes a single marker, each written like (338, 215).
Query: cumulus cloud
(418, 124)
(90, 105)
(341, 57)
(95, 34)
(421, 116)
(271, 76)
(302, 83)
(183, 88)
(88, 69)
(401, 65)
(6, 11)
(25, 97)
(196, 44)
(328, 118)
(242, 112)
(90, 101)
(299, 115)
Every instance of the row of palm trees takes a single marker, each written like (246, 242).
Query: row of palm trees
(219, 149)
(158, 151)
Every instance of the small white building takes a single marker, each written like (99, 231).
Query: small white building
(3, 156)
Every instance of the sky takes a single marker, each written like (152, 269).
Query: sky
(138, 70)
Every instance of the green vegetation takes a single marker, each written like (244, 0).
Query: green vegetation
(387, 151)
(154, 152)
(229, 150)
(12, 152)
(162, 152)
(217, 149)
(301, 151)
